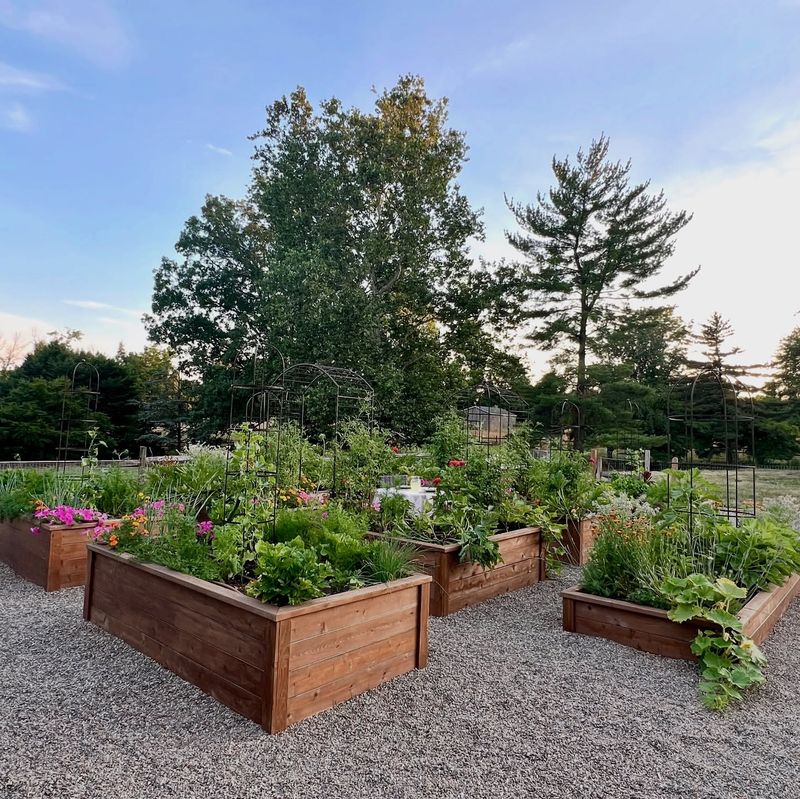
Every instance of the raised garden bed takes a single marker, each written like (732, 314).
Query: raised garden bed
(53, 558)
(578, 538)
(458, 585)
(650, 630)
(273, 665)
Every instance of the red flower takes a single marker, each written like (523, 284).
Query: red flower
(396, 450)
(436, 480)
(456, 463)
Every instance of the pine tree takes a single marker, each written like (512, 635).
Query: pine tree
(591, 242)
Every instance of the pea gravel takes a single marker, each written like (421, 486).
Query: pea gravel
(509, 706)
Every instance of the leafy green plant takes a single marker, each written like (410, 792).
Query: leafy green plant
(565, 485)
(634, 485)
(449, 439)
(288, 573)
(114, 491)
(389, 560)
(729, 661)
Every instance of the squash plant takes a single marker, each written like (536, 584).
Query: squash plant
(729, 661)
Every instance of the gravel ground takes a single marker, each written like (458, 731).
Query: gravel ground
(509, 706)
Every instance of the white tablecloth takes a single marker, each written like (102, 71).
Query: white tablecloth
(418, 497)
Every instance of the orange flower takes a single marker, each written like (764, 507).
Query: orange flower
(113, 541)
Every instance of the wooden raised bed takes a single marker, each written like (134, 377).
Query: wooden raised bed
(54, 558)
(458, 585)
(578, 538)
(273, 665)
(650, 630)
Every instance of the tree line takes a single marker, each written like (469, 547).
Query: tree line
(351, 246)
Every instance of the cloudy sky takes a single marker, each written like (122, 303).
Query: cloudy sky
(117, 118)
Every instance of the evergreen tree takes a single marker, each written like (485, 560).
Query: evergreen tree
(592, 242)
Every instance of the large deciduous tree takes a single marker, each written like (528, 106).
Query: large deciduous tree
(350, 248)
(590, 243)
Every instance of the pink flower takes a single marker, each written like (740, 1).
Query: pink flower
(376, 504)
(205, 528)
(36, 530)
(303, 495)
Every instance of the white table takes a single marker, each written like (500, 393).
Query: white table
(416, 496)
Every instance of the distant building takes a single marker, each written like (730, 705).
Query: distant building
(490, 424)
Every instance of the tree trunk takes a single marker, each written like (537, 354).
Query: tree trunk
(580, 388)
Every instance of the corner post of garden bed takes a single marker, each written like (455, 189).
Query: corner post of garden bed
(568, 610)
(89, 585)
(423, 612)
(275, 708)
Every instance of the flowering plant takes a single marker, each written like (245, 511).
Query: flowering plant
(64, 515)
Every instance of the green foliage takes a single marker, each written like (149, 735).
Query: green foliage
(390, 512)
(729, 661)
(114, 491)
(634, 485)
(388, 560)
(363, 455)
(288, 573)
(176, 544)
(564, 485)
(758, 554)
(351, 247)
(449, 439)
(591, 237)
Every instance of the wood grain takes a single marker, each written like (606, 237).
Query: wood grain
(273, 665)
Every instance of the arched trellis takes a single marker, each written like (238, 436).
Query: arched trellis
(566, 425)
(619, 458)
(319, 398)
(81, 395)
(255, 414)
(727, 430)
(490, 413)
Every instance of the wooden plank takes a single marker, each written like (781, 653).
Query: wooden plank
(423, 615)
(336, 618)
(642, 623)
(199, 649)
(498, 574)
(321, 673)
(349, 597)
(229, 694)
(111, 573)
(212, 591)
(637, 639)
(304, 705)
(268, 686)
(568, 613)
(244, 642)
(466, 599)
(306, 651)
(519, 550)
(280, 679)
(764, 610)
(88, 591)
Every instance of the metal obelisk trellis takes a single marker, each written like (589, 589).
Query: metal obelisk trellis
(81, 397)
(727, 431)
(255, 413)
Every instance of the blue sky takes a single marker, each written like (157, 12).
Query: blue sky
(117, 118)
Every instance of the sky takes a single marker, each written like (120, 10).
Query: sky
(117, 118)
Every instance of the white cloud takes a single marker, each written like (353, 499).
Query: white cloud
(219, 150)
(24, 80)
(94, 305)
(16, 117)
(743, 235)
(88, 27)
(98, 336)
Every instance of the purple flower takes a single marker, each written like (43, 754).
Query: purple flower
(205, 528)
(36, 530)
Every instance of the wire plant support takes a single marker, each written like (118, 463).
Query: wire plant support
(566, 425)
(490, 414)
(253, 457)
(79, 417)
(319, 399)
(707, 430)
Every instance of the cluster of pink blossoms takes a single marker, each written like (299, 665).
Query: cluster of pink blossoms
(65, 515)
(156, 510)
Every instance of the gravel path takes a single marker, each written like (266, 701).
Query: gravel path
(509, 706)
